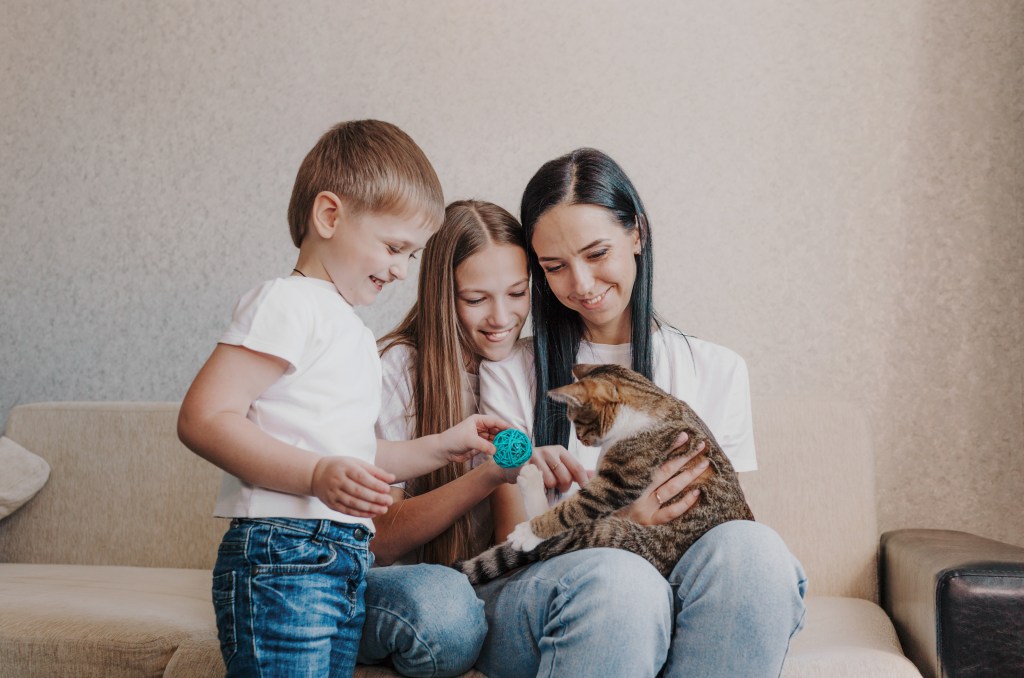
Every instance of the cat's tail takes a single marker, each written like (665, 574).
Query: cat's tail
(494, 562)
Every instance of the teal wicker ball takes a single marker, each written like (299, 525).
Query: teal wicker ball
(514, 448)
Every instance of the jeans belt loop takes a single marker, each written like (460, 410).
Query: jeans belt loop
(321, 527)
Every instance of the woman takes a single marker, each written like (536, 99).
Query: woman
(472, 301)
(735, 599)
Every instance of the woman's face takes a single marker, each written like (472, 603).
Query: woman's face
(588, 261)
(492, 298)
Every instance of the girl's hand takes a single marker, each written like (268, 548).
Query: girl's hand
(470, 437)
(651, 508)
(508, 475)
(352, 486)
(559, 467)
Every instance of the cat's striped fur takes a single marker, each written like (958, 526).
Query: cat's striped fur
(636, 423)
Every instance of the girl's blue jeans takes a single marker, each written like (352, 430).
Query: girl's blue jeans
(425, 620)
(288, 595)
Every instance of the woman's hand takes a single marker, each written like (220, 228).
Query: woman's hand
(559, 467)
(651, 508)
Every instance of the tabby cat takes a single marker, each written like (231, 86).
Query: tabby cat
(636, 423)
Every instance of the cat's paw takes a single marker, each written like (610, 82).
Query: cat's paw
(523, 538)
(531, 488)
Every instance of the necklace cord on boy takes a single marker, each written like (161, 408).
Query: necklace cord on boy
(295, 270)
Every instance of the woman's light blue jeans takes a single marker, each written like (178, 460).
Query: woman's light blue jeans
(729, 608)
(425, 620)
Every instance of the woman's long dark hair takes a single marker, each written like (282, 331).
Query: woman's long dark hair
(585, 176)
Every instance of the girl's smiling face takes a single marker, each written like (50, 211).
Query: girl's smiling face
(492, 290)
(589, 263)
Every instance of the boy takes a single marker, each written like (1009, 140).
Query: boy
(286, 406)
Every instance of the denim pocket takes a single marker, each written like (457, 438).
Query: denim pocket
(224, 607)
(296, 553)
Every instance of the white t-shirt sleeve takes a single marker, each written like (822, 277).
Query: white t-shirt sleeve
(270, 319)
(737, 432)
(397, 419)
(507, 387)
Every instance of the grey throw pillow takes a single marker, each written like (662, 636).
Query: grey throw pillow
(22, 476)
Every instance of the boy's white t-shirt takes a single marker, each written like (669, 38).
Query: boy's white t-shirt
(711, 379)
(326, 402)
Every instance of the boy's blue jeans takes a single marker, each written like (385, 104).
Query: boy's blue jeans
(288, 595)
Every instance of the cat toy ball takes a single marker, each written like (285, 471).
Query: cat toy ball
(514, 448)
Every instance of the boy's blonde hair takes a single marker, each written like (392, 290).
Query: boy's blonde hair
(375, 166)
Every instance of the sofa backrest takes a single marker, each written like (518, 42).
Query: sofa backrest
(124, 491)
(815, 485)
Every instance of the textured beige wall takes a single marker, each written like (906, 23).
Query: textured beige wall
(835, 188)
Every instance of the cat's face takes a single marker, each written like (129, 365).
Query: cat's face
(592, 404)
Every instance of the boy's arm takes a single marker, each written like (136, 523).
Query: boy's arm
(413, 458)
(213, 424)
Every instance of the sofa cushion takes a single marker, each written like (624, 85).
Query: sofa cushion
(77, 620)
(846, 638)
(24, 475)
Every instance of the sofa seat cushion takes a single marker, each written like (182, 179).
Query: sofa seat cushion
(86, 621)
(846, 638)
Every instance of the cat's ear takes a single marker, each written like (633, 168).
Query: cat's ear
(570, 395)
(580, 371)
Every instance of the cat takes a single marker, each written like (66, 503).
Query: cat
(636, 423)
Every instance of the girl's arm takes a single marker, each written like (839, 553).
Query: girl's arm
(413, 521)
(212, 423)
(507, 511)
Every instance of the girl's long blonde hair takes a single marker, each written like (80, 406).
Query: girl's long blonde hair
(432, 328)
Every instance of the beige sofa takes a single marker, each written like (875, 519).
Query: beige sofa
(106, 572)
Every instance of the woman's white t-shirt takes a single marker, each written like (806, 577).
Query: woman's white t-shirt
(328, 398)
(711, 379)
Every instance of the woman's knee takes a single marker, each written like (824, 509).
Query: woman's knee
(619, 583)
(742, 554)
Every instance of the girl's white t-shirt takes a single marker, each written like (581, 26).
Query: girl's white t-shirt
(397, 421)
(326, 402)
(711, 379)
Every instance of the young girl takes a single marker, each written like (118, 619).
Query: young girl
(735, 598)
(472, 303)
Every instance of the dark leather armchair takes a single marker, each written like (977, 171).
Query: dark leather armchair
(956, 600)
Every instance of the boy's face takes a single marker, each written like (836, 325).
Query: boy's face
(370, 250)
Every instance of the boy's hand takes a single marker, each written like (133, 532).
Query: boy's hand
(352, 486)
(469, 438)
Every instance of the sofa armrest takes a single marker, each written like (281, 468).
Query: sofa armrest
(956, 600)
